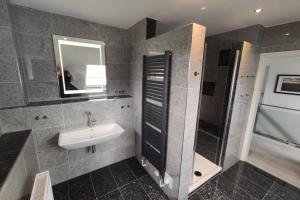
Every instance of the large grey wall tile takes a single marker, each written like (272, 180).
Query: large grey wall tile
(117, 71)
(68, 26)
(51, 157)
(179, 72)
(49, 116)
(85, 165)
(117, 54)
(117, 87)
(32, 21)
(42, 91)
(9, 71)
(111, 35)
(178, 99)
(76, 113)
(276, 35)
(175, 138)
(28, 153)
(117, 154)
(137, 32)
(13, 120)
(35, 46)
(59, 173)
(11, 95)
(6, 41)
(119, 107)
(42, 70)
(77, 154)
(4, 16)
(47, 137)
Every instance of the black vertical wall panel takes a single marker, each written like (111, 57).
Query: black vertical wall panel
(155, 109)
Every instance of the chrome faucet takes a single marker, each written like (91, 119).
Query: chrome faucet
(90, 121)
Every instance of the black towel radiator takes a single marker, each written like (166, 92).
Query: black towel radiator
(155, 111)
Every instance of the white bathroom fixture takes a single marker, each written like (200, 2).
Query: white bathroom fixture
(89, 136)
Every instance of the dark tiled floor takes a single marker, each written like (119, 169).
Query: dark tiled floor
(245, 182)
(126, 180)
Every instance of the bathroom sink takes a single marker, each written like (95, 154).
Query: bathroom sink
(89, 136)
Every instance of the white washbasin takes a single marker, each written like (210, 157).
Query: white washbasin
(88, 136)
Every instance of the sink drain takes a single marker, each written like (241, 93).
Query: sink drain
(197, 173)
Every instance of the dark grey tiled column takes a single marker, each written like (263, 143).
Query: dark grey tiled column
(10, 82)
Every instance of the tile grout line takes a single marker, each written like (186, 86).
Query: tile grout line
(110, 192)
(69, 196)
(145, 191)
(90, 176)
(137, 179)
(254, 183)
(269, 192)
(242, 189)
(118, 188)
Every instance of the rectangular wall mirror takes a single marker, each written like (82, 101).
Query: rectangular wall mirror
(80, 65)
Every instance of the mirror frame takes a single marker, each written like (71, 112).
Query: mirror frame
(57, 41)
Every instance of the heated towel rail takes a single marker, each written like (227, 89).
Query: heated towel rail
(156, 88)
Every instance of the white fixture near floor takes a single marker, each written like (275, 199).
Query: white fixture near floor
(42, 188)
(89, 136)
(207, 168)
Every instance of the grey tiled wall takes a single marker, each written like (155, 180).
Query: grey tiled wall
(242, 102)
(65, 164)
(10, 83)
(275, 39)
(33, 31)
(183, 88)
(21, 177)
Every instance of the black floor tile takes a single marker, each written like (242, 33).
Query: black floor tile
(81, 188)
(285, 191)
(119, 182)
(152, 189)
(136, 167)
(209, 192)
(224, 185)
(239, 194)
(103, 181)
(115, 195)
(245, 184)
(134, 191)
(61, 191)
(270, 196)
(255, 175)
(251, 188)
(122, 173)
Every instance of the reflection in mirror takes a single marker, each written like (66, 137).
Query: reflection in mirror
(80, 66)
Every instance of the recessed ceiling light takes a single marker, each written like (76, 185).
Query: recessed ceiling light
(203, 8)
(287, 34)
(258, 10)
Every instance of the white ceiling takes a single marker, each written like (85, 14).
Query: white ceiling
(220, 15)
